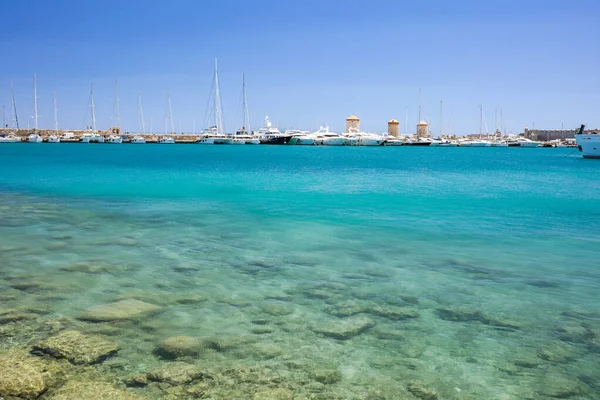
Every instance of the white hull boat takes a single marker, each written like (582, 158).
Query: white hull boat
(588, 144)
(333, 141)
(223, 140)
(115, 139)
(166, 140)
(53, 139)
(205, 140)
(10, 139)
(34, 138)
(138, 140)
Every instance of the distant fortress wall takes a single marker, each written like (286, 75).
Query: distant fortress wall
(545, 135)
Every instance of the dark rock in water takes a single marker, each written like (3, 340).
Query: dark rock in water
(459, 315)
(192, 299)
(388, 334)
(76, 347)
(86, 268)
(326, 376)
(576, 333)
(274, 394)
(176, 373)
(543, 283)
(592, 382)
(560, 353)
(394, 313)
(179, 346)
(12, 315)
(262, 330)
(526, 363)
(21, 376)
(560, 387)
(419, 390)
(276, 308)
(585, 315)
(119, 311)
(344, 329)
(90, 390)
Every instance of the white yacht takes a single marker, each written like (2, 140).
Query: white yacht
(115, 139)
(138, 140)
(166, 140)
(91, 138)
(10, 139)
(304, 140)
(295, 134)
(588, 143)
(499, 143)
(223, 139)
(53, 139)
(370, 139)
(327, 138)
(34, 138)
(205, 140)
(239, 139)
(418, 141)
(524, 142)
(473, 143)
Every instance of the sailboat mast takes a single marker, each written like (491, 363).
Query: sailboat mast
(480, 120)
(218, 116)
(117, 114)
(141, 111)
(172, 126)
(245, 101)
(55, 116)
(441, 118)
(4, 117)
(419, 121)
(501, 123)
(14, 106)
(93, 109)
(406, 119)
(35, 112)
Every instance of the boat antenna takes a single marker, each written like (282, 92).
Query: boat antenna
(14, 106)
(141, 111)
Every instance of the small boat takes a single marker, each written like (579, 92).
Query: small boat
(205, 140)
(10, 139)
(115, 139)
(138, 140)
(166, 140)
(524, 142)
(34, 138)
(53, 139)
(588, 143)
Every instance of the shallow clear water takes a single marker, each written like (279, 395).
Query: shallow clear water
(493, 253)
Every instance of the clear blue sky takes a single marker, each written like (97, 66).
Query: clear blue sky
(307, 62)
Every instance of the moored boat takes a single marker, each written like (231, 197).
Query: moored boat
(588, 143)
(115, 139)
(166, 140)
(34, 138)
(138, 140)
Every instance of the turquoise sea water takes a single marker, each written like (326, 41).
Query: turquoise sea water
(475, 271)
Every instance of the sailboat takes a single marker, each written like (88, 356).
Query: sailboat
(93, 136)
(115, 138)
(241, 135)
(55, 138)
(34, 137)
(140, 139)
(12, 138)
(215, 133)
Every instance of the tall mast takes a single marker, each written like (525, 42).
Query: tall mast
(501, 123)
(441, 118)
(55, 115)
(480, 119)
(245, 101)
(170, 113)
(35, 112)
(4, 117)
(93, 109)
(406, 119)
(117, 114)
(141, 111)
(218, 115)
(419, 121)
(14, 106)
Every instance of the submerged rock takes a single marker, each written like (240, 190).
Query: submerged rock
(119, 311)
(176, 373)
(459, 315)
(192, 299)
(419, 390)
(326, 376)
(394, 313)
(179, 346)
(344, 329)
(21, 376)
(559, 353)
(86, 268)
(576, 333)
(274, 394)
(77, 347)
(12, 315)
(91, 390)
(276, 308)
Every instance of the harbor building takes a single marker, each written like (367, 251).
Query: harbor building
(422, 129)
(393, 128)
(353, 124)
(546, 135)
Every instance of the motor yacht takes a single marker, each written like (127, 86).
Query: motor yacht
(370, 139)
(588, 143)
(327, 138)
(499, 143)
(205, 140)
(166, 140)
(422, 141)
(138, 140)
(115, 139)
(295, 134)
(10, 139)
(34, 138)
(223, 139)
(270, 135)
(524, 142)
(473, 143)
(91, 138)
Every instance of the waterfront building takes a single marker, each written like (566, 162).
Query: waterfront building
(353, 124)
(422, 129)
(546, 135)
(393, 128)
